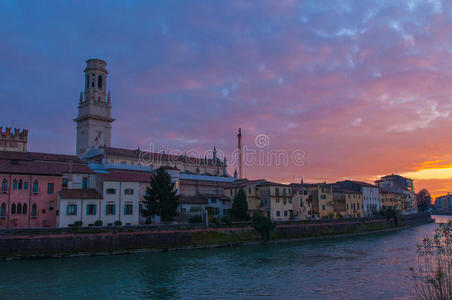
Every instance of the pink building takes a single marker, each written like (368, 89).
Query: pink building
(30, 183)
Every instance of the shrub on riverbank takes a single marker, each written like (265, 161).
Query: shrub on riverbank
(263, 225)
(433, 273)
(195, 219)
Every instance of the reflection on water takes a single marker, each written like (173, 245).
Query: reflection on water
(366, 267)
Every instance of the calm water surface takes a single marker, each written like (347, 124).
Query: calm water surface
(366, 267)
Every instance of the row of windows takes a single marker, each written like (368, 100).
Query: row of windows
(113, 191)
(84, 183)
(371, 207)
(91, 209)
(353, 206)
(19, 209)
(290, 200)
(278, 213)
(284, 191)
(19, 185)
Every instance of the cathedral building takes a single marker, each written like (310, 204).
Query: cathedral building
(197, 177)
(94, 124)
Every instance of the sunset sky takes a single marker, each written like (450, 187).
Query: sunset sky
(362, 88)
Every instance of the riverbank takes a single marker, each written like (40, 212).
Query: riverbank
(77, 243)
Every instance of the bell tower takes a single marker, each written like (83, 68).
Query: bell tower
(94, 109)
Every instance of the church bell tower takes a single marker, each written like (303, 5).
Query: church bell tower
(94, 109)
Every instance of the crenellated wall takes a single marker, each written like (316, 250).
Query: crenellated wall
(13, 140)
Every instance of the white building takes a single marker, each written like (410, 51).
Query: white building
(78, 207)
(371, 200)
(370, 194)
(216, 205)
(113, 196)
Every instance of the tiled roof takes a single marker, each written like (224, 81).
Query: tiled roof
(158, 157)
(342, 190)
(269, 183)
(41, 164)
(239, 183)
(353, 182)
(79, 194)
(126, 176)
(39, 156)
(303, 185)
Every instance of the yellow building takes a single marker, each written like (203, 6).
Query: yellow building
(322, 199)
(301, 202)
(249, 187)
(353, 205)
(392, 199)
(271, 198)
(276, 199)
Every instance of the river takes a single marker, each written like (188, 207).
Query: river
(373, 266)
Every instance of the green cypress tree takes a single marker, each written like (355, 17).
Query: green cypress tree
(239, 211)
(161, 197)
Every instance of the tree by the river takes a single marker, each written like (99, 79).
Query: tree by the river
(161, 197)
(423, 200)
(239, 210)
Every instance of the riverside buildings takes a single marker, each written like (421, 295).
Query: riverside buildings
(272, 199)
(403, 186)
(101, 183)
(31, 183)
(106, 185)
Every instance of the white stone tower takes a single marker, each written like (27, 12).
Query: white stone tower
(94, 109)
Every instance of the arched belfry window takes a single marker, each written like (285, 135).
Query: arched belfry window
(99, 81)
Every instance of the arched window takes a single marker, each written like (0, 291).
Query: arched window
(15, 184)
(35, 186)
(4, 185)
(19, 209)
(13, 208)
(99, 81)
(25, 185)
(3, 211)
(24, 209)
(21, 184)
(33, 210)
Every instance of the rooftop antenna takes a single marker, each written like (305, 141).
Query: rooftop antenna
(239, 146)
